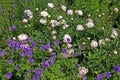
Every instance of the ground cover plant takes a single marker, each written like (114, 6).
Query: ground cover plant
(59, 40)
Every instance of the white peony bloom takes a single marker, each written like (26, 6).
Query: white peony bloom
(54, 23)
(67, 38)
(28, 12)
(90, 24)
(69, 12)
(82, 71)
(59, 17)
(79, 27)
(116, 10)
(44, 13)
(94, 44)
(79, 12)
(23, 37)
(24, 20)
(114, 33)
(50, 5)
(43, 21)
(63, 8)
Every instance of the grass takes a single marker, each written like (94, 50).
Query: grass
(97, 61)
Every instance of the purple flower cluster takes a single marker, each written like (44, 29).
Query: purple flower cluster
(50, 61)
(106, 75)
(46, 47)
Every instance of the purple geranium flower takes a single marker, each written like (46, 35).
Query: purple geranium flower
(99, 77)
(22, 54)
(46, 64)
(25, 74)
(64, 50)
(84, 78)
(13, 27)
(2, 52)
(56, 43)
(39, 71)
(68, 40)
(76, 66)
(29, 53)
(47, 46)
(8, 75)
(42, 47)
(16, 67)
(30, 60)
(10, 61)
(30, 39)
(116, 68)
(107, 74)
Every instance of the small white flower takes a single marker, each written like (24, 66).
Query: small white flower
(69, 12)
(23, 37)
(63, 21)
(37, 9)
(44, 13)
(72, 18)
(115, 52)
(89, 15)
(66, 25)
(43, 21)
(83, 43)
(90, 24)
(79, 27)
(54, 23)
(28, 12)
(59, 17)
(88, 38)
(50, 50)
(69, 45)
(30, 17)
(82, 71)
(114, 33)
(90, 20)
(50, 5)
(24, 20)
(14, 38)
(116, 10)
(79, 12)
(63, 8)
(94, 44)
(67, 38)
(54, 37)
(107, 39)
(54, 32)
(101, 42)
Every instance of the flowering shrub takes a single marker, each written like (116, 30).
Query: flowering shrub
(57, 41)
